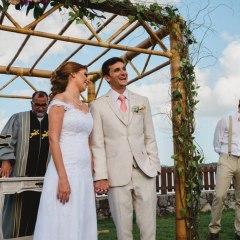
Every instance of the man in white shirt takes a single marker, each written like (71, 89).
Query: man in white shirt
(227, 145)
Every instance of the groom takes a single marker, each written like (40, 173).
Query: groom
(125, 153)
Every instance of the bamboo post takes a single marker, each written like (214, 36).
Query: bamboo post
(91, 91)
(177, 85)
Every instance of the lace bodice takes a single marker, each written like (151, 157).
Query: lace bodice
(75, 121)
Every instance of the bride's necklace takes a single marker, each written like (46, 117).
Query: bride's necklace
(79, 102)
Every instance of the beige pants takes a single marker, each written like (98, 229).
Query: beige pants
(228, 167)
(139, 194)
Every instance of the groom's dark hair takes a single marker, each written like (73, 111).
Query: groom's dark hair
(110, 62)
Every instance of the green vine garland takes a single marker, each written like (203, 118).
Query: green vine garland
(184, 140)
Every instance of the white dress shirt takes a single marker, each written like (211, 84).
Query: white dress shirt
(220, 141)
(117, 101)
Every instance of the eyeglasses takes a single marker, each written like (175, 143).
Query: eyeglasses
(38, 105)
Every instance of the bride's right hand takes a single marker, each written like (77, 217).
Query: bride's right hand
(64, 190)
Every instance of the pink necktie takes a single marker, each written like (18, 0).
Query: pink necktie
(123, 105)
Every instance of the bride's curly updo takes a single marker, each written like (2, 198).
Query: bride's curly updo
(60, 77)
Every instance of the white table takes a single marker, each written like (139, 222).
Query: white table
(17, 185)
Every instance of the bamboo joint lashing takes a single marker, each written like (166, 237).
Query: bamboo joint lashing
(19, 72)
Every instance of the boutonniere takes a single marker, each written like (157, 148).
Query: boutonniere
(138, 109)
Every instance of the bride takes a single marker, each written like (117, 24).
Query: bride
(67, 206)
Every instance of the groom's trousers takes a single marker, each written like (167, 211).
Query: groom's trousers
(138, 194)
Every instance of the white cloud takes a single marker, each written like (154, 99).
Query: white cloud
(231, 59)
(218, 93)
(158, 95)
(226, 36)
(22, 92)
(223, 96)
(227, 91)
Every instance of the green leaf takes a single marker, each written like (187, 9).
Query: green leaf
(5, 4)
(139, 8)
(180, 139)
(30, 6)
(53, 4)
(179, 109)
(79, 21)
(176, 95)
(183, 212)
(180, 170)
(18, 7)
(72, 15)
(38, 11)
(131, 17)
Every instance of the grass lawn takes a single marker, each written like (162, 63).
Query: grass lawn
(166, 227)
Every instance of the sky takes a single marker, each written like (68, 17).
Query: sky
(216, 57)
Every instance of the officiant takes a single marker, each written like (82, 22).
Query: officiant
(24, 152)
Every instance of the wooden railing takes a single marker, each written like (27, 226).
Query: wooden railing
(165, 181)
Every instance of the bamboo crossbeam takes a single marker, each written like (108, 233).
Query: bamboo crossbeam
(51, 44)
(25, 72)
(23, 44)
(161, 33)
(91, 30)
(134, 68)
(91, 37)
(148, 59)
(116, 42)
(99, 86)
(84, 99)
(153, 35)
(84, 41)
(35, 73)
(6, 84)
(9, 17)
(29, 26)
(2, 18)
(19, 50)
(149, 72)
(120, 30)
(28, 83)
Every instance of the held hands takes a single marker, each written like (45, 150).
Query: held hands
(6, 169)
(64, 190)
(101, 186)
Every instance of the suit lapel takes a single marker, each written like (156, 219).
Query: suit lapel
(114, 108)
(131, 104)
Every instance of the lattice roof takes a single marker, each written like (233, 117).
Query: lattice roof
(90, 43)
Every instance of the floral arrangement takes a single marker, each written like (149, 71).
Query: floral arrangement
(137, 108)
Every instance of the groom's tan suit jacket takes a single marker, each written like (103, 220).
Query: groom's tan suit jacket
(116, 143)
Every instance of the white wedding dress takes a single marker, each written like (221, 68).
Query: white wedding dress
(75, 220)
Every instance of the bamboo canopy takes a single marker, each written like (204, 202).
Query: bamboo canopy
(159, 44)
